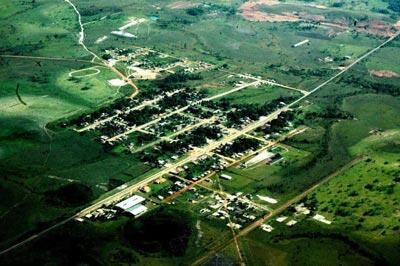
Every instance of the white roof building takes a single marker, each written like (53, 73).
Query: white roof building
(130, 202)
(281, 219)
(267, 228)
(226, 177)
(267, 199)
(137, 210)
(321, 219)
(291, 223)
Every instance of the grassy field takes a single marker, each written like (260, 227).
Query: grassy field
(48, 92)
(258, 95)
(268, 180)
(361, 203)
(386, 59)
(288, 249)
(363, 200)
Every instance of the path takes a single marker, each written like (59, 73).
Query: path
(81, 41)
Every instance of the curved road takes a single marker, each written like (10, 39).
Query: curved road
(95, 56)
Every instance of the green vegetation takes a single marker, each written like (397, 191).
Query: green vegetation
(70, 195)
(362, 200)
(258, 95)
(165, 232)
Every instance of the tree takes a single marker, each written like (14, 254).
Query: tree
(394, 5)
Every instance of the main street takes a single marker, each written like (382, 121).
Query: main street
(193, 155)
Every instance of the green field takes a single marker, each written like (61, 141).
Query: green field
(258, 95)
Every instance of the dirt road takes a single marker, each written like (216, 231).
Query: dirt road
(275, 212)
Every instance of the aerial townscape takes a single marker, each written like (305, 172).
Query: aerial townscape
(195, 132)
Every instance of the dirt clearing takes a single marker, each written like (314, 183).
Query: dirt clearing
(249, 11)
(384, 74)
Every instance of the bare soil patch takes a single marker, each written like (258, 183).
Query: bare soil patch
(384, 73)
(249, 11)
(376, 27)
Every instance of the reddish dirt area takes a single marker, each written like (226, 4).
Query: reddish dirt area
(251, 11)
(384, 74)
(376, 27)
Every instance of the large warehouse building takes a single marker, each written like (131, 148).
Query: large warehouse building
(133, 205)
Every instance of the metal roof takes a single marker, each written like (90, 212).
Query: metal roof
(130, 202)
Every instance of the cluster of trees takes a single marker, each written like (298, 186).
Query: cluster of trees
(331, 112)
(319, 72)
(142, 138)
(165, 232)
(199, 112)
(176, 80)
(178, 100)
(71, 195)
(253, 111)
(240, 145)
(135, 117)
(111, 129)
(195, 11)
(199, 11)
(95, 10)
(209, 132)
(139, 117)
(201, 167)
(390, 89)
(89, 118)
(279, 123)
(394, 5)
(198, 137)
(387, 189)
